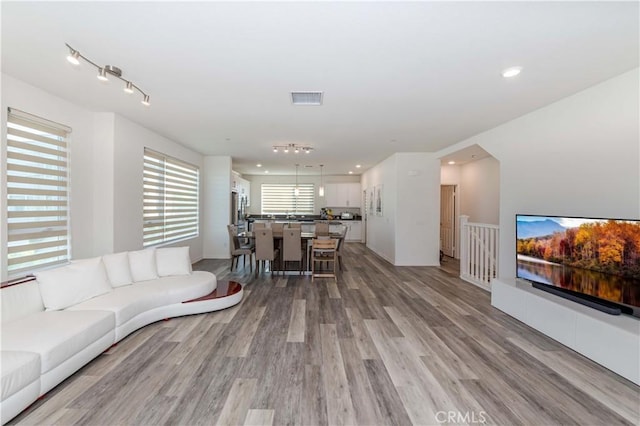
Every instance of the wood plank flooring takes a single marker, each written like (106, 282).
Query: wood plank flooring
(385, 346)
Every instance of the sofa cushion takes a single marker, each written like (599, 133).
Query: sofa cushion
(130, 301)
(19, 369)
(20, 300)
(173, 261)
(73, 283)
(143, 265)
(56, 335)
(118, 270)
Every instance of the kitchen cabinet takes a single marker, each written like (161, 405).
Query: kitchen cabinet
(343, 195)
(354, 229)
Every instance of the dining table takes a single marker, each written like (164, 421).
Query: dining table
(306, 238)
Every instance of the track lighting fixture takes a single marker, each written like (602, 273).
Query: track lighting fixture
(104, 72)
(292, 147)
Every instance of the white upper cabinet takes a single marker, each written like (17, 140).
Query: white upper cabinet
(343, 194)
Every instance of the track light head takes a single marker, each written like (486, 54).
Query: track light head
(73, 57)
(145, 100)
(102, 74)
(128, 88)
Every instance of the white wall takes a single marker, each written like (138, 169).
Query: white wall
(216, 211)
(480, 190)
(104, 182)
(417, 212)
(577, 157)
(408, 231)
(320, 202)
(105, 155)
(381, 229)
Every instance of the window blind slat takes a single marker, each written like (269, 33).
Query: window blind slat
(37, 148)
(35, 137)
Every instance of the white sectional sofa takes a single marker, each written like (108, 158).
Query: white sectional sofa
(55, 324)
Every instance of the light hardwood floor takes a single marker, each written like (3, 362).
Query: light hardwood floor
(385, 346)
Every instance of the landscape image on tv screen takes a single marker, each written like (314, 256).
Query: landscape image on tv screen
(597, 257)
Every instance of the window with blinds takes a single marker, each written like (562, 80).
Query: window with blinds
(171, 193)
(280, 198)
(37, 193)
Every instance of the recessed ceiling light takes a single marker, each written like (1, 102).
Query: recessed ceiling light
(266, 171)
(511, 72)
(258, 165)
(358, 166)
(350, 172)
(451, 162)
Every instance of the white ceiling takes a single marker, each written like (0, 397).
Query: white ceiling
(396, 77)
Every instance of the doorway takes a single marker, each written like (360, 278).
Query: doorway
(448, 220)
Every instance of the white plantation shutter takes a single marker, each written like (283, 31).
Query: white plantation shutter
(171, 191)
(280, 198)
(37, 193)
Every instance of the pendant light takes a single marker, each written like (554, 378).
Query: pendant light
(296, 190)
(321, 189)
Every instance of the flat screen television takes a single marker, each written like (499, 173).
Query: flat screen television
(592, 261)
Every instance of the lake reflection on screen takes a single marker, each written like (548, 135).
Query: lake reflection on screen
(598, 284)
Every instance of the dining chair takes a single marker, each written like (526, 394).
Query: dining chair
(277, 227)
(238, 249)
(291, 247)
(322, 228)
(295, 225)
(264, 248)
(259, 225)
(324, 250)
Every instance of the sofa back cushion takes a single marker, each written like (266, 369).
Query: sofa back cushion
(73, 283)
(20, 300)
(173, 261)
(143, 265)
(118, 270)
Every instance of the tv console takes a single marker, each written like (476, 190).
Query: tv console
(612, 341)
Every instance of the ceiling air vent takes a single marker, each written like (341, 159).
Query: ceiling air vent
(306, 98)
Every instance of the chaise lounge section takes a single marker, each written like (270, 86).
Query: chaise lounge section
(65, 317)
